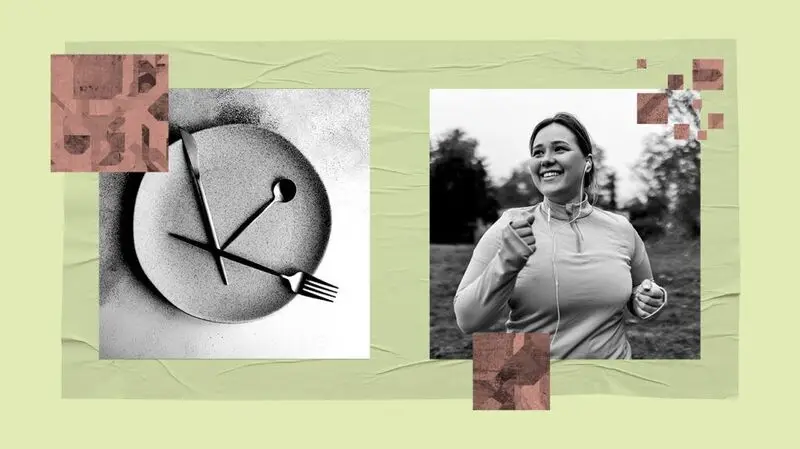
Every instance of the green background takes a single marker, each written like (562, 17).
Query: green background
(31, 343)
(399, 76)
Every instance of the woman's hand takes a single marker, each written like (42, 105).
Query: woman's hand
(518, 241)
(488, 284)
(648, 298)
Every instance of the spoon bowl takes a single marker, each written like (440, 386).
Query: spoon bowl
(284, 190)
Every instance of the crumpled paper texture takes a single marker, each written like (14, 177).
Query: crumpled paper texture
(399, 76)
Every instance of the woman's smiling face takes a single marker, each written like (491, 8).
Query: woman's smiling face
(557, 164)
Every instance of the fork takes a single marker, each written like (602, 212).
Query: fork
(300, 282)
(305, 284)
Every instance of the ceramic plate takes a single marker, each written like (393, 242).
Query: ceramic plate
(238, 166)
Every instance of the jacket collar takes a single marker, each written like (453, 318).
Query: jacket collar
(567, 211)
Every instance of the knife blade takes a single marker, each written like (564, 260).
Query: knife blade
(190, 151)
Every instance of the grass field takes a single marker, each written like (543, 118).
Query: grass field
(674, 334)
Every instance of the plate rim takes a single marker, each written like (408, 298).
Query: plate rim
(151, 175)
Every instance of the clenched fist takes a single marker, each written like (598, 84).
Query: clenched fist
(648, 298)
(518, 241)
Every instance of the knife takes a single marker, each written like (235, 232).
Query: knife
(190, 151)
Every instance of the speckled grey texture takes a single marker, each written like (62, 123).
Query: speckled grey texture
(330, 128)
(238, 164)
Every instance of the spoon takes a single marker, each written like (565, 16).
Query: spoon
(283, 190)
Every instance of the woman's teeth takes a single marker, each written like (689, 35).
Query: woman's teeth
(549, 175)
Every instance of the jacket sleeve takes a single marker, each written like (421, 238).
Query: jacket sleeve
(641, 270)
(489, 280)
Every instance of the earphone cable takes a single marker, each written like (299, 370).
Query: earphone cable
(555, 249)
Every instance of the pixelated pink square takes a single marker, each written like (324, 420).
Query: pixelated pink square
(511, 371)
(652, 108)
(708, 74)
(716, 120)
(108, 113)
(681, 131)
(675, 82)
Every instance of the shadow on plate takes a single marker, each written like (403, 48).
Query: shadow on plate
(126, 207)
(228, 114)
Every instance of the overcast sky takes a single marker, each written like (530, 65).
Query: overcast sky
(502, 120)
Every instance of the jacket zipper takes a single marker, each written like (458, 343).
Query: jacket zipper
(577, 231)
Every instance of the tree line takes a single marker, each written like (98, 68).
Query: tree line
(463, 196)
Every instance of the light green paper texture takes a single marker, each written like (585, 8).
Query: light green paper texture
(399, 76)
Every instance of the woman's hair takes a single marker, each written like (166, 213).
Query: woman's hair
(581, 136)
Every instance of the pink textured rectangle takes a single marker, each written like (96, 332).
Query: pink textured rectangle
(109, 113)
(652, 108)
(675, 82)
(511, 371)
(681, 131)
(708, 74)
(716, 120)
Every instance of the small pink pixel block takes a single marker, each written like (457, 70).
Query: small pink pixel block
(681, 131)
(708, 74)
(652, 108)
(675, 82)
(716, 121)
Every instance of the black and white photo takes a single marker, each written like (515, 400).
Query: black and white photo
(554, 211)
(255, 243)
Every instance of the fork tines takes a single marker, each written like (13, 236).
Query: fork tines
(319, 289)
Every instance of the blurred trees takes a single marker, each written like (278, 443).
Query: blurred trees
(670, 171)
(518, 190)
(605, 187)
(461, 193)
(611, 188)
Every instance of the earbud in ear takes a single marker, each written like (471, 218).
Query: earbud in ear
(588, 167)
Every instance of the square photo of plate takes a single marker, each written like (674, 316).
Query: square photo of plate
(255, 243)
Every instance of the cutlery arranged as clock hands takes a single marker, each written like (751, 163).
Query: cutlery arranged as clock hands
(283, 191)
(300, 282)
(190, 151)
